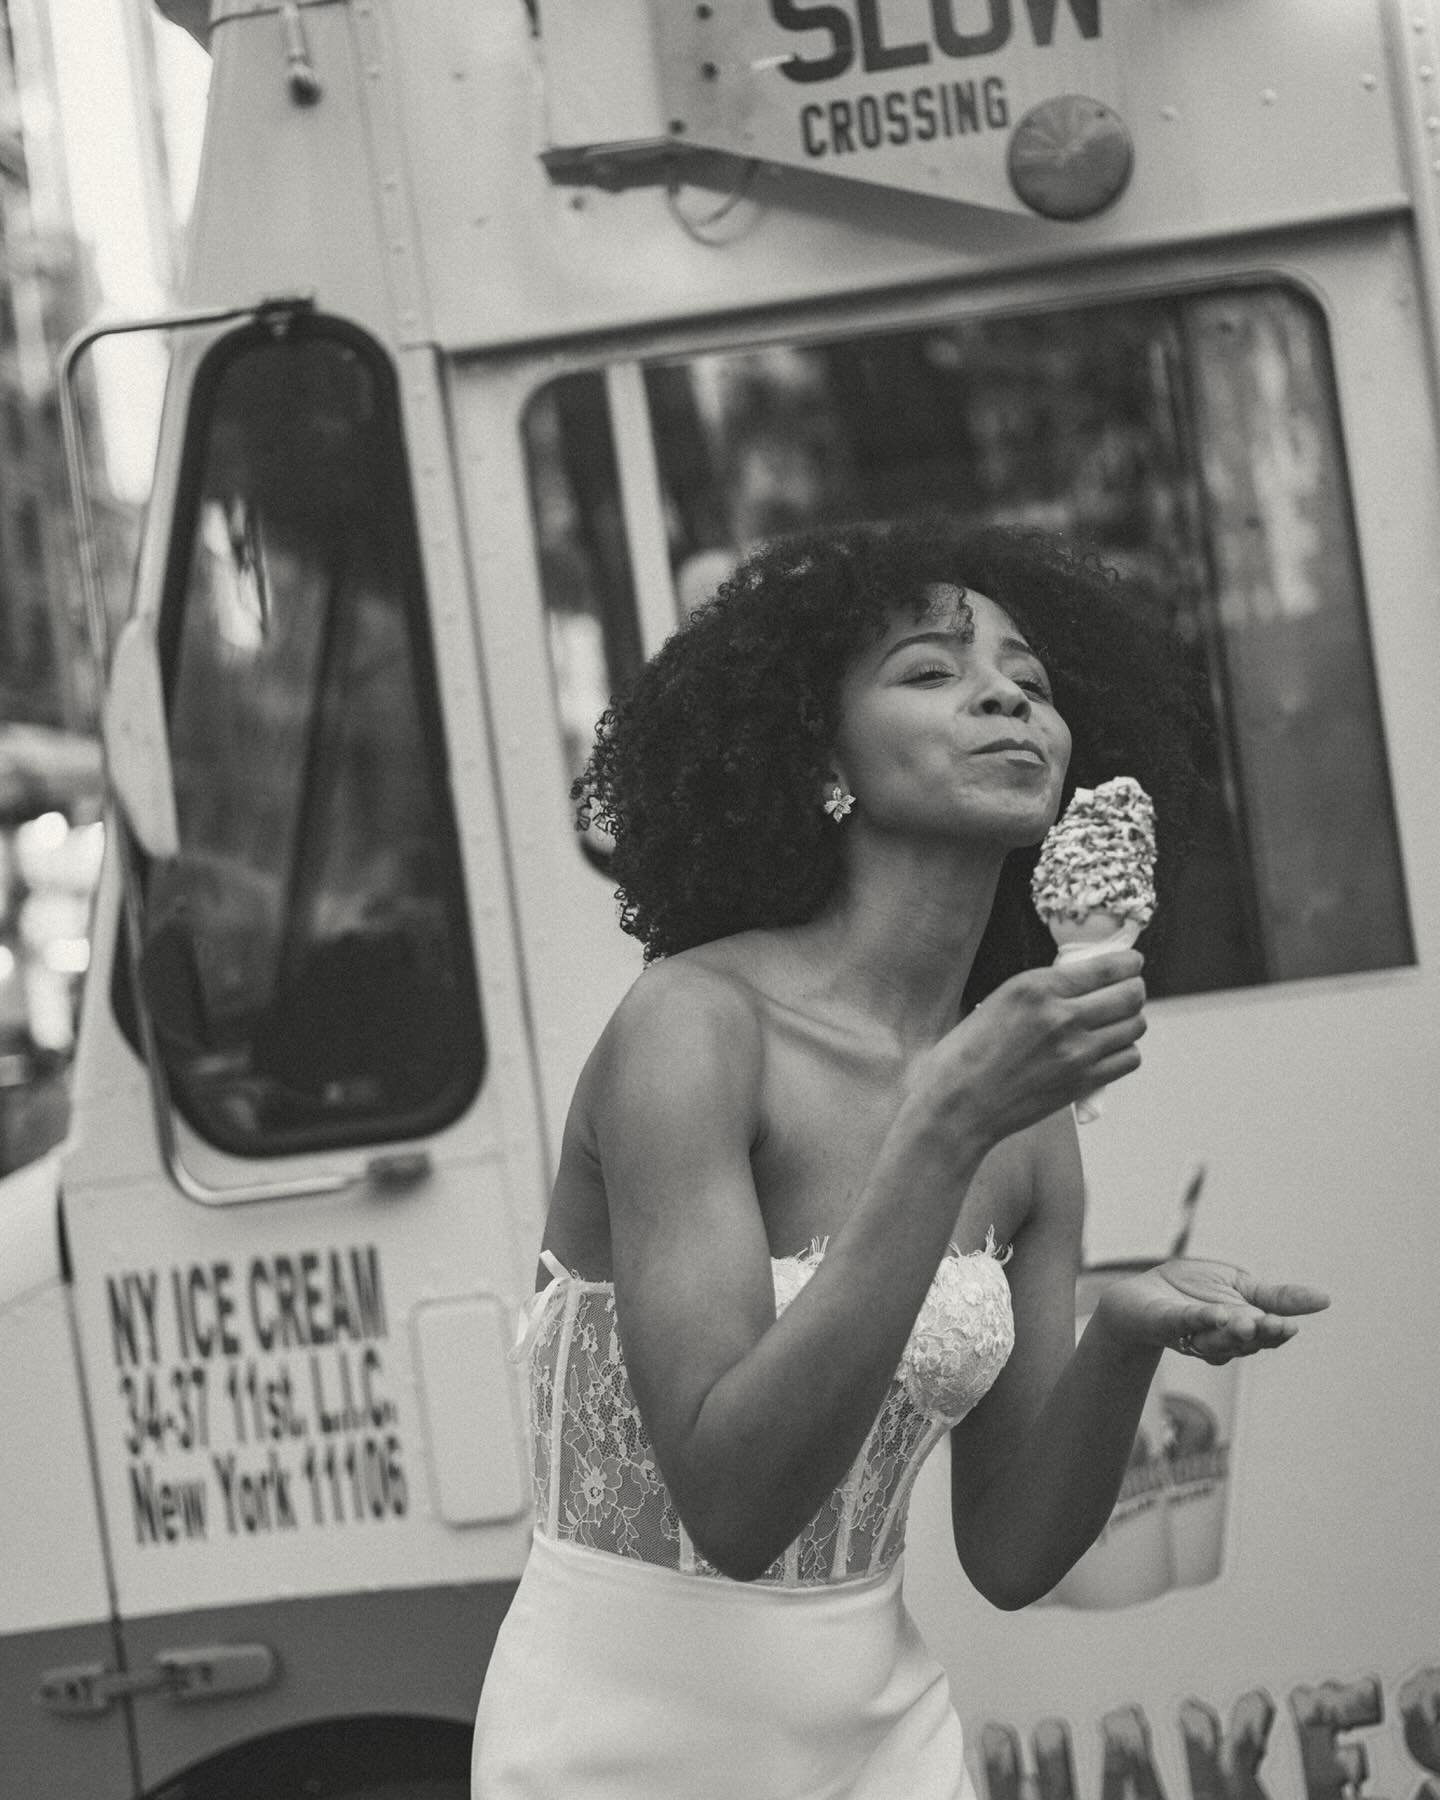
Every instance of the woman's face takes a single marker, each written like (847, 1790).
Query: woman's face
(948, 728)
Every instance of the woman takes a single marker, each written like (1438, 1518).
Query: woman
(843, 1089)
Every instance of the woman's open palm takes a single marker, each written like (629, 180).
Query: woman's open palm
(1207, 1309)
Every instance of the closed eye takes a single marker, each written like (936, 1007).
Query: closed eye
(932, 672)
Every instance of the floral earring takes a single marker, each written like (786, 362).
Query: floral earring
(839, 803)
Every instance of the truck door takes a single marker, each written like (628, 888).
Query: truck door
(298, 1239)
(1240, 427)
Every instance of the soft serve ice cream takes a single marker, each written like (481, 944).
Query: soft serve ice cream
(1094, 884)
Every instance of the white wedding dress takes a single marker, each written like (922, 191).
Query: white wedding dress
(628, 1668)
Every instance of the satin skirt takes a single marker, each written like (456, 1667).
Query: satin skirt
(617, 1680)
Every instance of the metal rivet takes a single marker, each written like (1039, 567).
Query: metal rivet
(1169, 112)
(1370, 82)
(1269, 96)
(1425, 72)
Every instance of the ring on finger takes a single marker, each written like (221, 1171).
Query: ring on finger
(1186, 1345)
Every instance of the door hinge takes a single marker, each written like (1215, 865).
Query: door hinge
(206, 1672)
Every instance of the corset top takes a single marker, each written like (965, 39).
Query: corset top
(596, 1480)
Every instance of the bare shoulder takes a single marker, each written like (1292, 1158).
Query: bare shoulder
(688, 996)
(689, 1021)
(666, 1106)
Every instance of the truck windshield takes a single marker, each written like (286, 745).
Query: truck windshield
(306, 958)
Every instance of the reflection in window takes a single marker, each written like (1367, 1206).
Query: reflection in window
(584, 558)
(1195, 443)
(1288, 642)
(306, 957)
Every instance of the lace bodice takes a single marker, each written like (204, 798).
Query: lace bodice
(597, 1483)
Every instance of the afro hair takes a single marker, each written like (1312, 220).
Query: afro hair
(706, 771)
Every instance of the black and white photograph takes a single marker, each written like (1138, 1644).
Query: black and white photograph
(719, 899)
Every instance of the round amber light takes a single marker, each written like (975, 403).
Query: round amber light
(1070, 157)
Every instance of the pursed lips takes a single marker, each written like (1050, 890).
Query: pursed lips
(1014, 744)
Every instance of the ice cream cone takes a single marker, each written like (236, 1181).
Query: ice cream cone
(1077, 940)
(1094, 879)
(1088, 935)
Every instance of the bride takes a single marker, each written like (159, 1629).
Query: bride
(820, 1200)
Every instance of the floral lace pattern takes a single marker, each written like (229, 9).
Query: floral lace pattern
(596, 1480)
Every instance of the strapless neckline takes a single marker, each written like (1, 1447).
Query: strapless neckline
(808, 1259)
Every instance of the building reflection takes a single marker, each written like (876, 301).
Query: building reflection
(50, 766)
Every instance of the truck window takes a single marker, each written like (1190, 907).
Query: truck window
(1194, 441)
(306, 958)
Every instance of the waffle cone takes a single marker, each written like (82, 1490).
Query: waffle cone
(1077, 940)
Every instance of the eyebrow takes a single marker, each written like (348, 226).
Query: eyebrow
(1013, 644)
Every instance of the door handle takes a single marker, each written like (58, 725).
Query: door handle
(210, 1671)
(195, 1672)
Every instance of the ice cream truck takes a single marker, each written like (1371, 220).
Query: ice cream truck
(506, 329)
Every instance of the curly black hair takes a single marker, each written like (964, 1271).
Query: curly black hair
(706, 771)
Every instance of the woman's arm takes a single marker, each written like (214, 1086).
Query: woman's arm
(1036, 1468)
(755, 1420)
